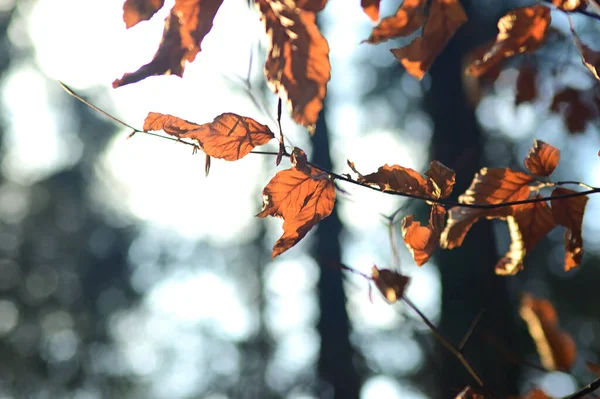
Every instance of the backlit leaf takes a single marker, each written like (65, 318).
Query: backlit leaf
(555, 347)
(444, 19)
(528, 224)
(371, 8)
(520, 30)
(526, 85)
(135, 11)
(489, 186)
(408, 18)
(440, 181)
(185, 28)
(568, 212)
(390, 283)
(536, 394)
(421, 241)
(589, 57)
(397, 178)
(297, 65)
(542, 158)
(575, 110)
(302, 199)
(228, 136)
(568, 5)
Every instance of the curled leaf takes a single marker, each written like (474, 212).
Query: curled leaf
(302, 198)
(408, 18)
(421, 241)
(440, 181)
(556, 348)
(229, 136)
(542, 158)
(135, 11)
(568, 212)
(185, 28)
(520, 30)
(390, 283)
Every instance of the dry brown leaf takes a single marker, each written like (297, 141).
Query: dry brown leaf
(445, 17)
(536, 394)
(390, 283)
(185, 28)
(371, 8)
(228, 137)
(408, 18)
(575, 110)
(542, 158)
(489, 186)
(556, 348)
(520, 30)
(440, 180)
(297, 65)
(135, 11)
(302, 199)
(527, 225)
(421, 241)
(568, 5)
(310, 5)
(568, 212)
(397, 178)
(526, 85)
(589, 57)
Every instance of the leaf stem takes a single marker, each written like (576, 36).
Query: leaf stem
(585, 390)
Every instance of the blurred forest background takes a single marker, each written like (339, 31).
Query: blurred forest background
(124, 273)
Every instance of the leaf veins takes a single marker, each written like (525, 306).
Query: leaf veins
(302, 197)
(185, 28)
(542, 158)
(297, 65)
(228, 136)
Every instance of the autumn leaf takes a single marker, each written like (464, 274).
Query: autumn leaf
(536, 394)
(445, 17)
(526, 85)
(469, 393)
(568, 5)
(575, 110)
(520, 30)
(527, 225)
(135, 11)
(408, 18)
(397, 178)
(302, 197)
(542, 158)
(390, 283)
(440, 180)
(297, 65)
(589, 57)
(371, 8)
(556, 348)
(311, 5)
(568, 212)
(228, 136)
(421, 241)
(489, 186)
(185, 28)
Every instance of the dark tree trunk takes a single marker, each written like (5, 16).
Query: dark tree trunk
(336, 365)
(467, 273)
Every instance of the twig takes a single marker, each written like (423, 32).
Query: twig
(469, 332)
(585, 390)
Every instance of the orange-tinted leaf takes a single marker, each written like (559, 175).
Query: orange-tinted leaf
(408, 18)
(489, 186)
(445, 17)
(297, 65)
(575, 111)
(526, 85)
(440, 181)
(520, 30)
(589, 57)
(568, 5)
(542, 158)
(185, 28)
(528, 224)
(397, 178)
(228, 136)
(421, 241)
(371, 8)
(301, 199)
(556, 348)
(135, 11)
(568, 212)
(469, 393)
(390, 283)
(593, 367)
(311, 5)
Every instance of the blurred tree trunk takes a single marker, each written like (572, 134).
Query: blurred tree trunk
(467, 273)
(336, 356)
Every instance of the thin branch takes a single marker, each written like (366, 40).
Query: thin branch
(469, 332)
(585, 390)
(453, 349)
